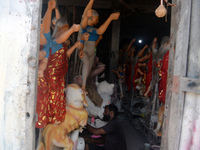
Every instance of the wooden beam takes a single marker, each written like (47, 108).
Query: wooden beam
(191, 85)
(140, 6)
(83, 3)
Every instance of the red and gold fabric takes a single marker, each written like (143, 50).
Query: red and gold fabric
(50, 97)
(162, 86)
(149, 74)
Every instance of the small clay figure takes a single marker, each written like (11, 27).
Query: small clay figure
(121, 77)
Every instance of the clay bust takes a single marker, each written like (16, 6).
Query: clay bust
(89, 19)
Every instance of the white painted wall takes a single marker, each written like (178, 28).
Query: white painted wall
(18, 41)
(191, 123)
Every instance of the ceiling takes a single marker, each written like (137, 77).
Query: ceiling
(137, 17)
(137, 20)
(133, 5)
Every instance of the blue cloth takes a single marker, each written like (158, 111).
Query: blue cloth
(93, 33)
(46, 47)
(51, 43)
(121, 73)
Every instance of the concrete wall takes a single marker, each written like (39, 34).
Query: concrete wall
(19, 43)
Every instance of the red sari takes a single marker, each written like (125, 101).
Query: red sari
(51, 100)
(149, 74)
(162, 85)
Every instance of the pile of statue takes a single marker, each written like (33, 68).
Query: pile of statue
(62, 109)
(146, 68)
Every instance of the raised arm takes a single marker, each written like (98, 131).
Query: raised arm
(63, 37)
(88, 7)
(141, 52)
(129, 46)
(71, 49)
(58, 16)
(84, 21)
(43, 40)
(131, 53)
(100, 38)
(154, 43)
(104, 26)
(147, 56)
(86, 14)
(46, 21)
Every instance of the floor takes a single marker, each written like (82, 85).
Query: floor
(134, 138)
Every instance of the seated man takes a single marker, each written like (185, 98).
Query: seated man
(112, 133)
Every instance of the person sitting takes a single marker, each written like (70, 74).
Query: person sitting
(112, 134)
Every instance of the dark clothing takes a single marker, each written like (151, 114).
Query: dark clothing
(95, 147)
(115, 138)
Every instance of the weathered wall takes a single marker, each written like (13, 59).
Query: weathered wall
(182, 123)
(190, 134)
(19, 30)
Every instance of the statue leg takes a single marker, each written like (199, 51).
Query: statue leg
(147, 92)
(85, 70)
(160, 120)
(91, 61)
(120, 86)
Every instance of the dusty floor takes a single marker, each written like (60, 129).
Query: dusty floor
(134, 138)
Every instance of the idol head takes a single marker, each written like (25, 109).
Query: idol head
(60, 27)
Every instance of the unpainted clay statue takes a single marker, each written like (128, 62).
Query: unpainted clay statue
(128, 59)
(43, 40)
(89, 19)
(140, 67)
(160, 58)
(150, 69)
(159, 75)
(76, 116)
